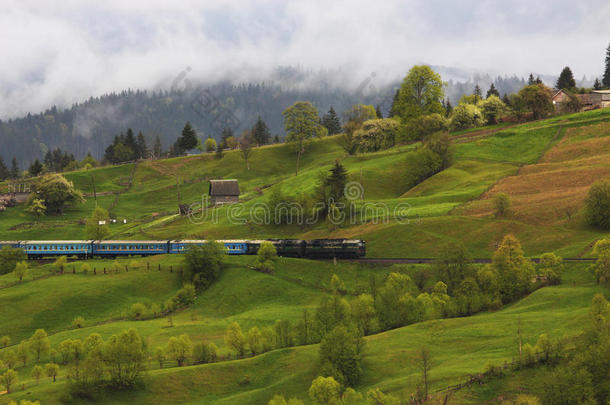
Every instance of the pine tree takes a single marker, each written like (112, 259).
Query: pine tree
(260, 132)
(378, 112)
(492, 91)
(448, 108)
(566, 80)
(130, 141)
(4, 172)
(35, 168)
(141, 147)
(188, 140)
(394, 107)
(531, 80)
(597, 85)
(157, 147)
(606, 77)
(506, 99)
(336, 181)
(477, 92)
(538, 80)
(14, 168)
(331, 121)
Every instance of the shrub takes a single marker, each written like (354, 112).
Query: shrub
(492, 108)
(204, 264)
(421, 164)
(138, 310)
(376, 135)
(597, 205)
(466, 116)
(425, 125)
(9, 257)
(501, 202)
(78, 322)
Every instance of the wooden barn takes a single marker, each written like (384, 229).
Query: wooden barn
(224, 192)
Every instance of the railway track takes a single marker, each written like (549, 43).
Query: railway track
(424, 260)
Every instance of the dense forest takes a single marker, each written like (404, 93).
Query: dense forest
(91, 126)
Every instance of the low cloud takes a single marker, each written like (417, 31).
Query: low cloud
(64, 53)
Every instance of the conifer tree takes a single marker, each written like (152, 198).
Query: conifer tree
(188, 140)
(157, 147)
(336, 181)
(477, 92)
(378, 112)
(260, 132)
(141, 148)
(393, 108)
(566, 80)
(130, 141)
(597, 85)
(538, 80)
(14, 168)
(448, 108)
(331, 121)
(35, 168)
(4, 172)
(606, 77)
(492, 91)
(531, 80)
(506, 99)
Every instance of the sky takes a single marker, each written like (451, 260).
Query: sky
(60, 52)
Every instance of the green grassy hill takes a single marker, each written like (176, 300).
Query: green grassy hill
(460, 346)
(146, 194)
(546, 167)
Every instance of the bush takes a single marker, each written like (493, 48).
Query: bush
(421, 164)
(266, 256)
(597, 205)
(78, 322)
(466, 116)
(138, 310)
(492, 108)
(9, 257)
(204, 264)
(204, 352)
(425, 125)
(376, 135)
(501, 203)
(340, 356)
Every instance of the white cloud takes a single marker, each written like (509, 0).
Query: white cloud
(63, 52)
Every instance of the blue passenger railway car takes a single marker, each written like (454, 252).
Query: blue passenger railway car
(318, 248)
(46, 248)
(116, 248)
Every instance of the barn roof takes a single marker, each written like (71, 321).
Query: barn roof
(224, 187)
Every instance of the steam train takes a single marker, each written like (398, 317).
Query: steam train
(317, 248)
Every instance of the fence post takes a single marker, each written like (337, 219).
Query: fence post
(159, 266)
(126, 270)
(171, 268)
(147, 265)
(104, 270)
(94, 271)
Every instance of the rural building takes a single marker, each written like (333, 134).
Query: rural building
(601, 97)
(224, 192)
(589, 101)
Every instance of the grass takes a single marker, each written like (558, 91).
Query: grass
(460, 346)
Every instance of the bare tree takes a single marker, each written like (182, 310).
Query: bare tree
(245, 146)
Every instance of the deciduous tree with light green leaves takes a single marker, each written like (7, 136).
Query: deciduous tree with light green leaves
(421, 93)
(56, 192)
(514, 269)
(324, 390)
(37, 208)
(8, 379)
(235, 339)
(302, 123)
(39, 343)
(97, 227)
(21, 270)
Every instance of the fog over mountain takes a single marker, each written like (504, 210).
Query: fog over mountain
(59, 53)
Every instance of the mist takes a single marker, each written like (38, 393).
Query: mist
(62, 53)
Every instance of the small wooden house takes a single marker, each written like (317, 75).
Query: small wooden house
(224, 192)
